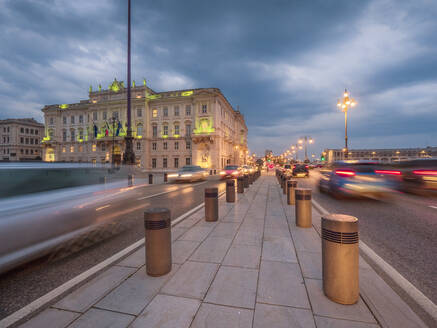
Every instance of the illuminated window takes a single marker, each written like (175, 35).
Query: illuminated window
(165, 112)
(153, 145)
(204, 109)
(165, 130)
(80, 148)
(176, 129)
(71, 149)
(94, 147)
(188, 110)
(176, 111)
(154, 112)
(164, 163)
(153, 163)
(176, 163)
(176, 145)
(165, 145)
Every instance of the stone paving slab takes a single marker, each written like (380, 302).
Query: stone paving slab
(245, 256)
(213, 249)
(217, 316)
(282, 317)
(52, 318)
(101, 318)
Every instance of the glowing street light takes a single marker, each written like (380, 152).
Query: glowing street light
(346, 103)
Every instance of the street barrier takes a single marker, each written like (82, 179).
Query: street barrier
(230, 191)
(165, 177)
(211, 204)
(240, 185)
(291, 186)
(158, 241)
(246, 181)
(150, 178)
(303, 207)
(130, 180)
(340, 258)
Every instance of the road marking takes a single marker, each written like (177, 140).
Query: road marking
(62, 290)
(102, 207)
(416, 295)
(169, 191)
(433, 206)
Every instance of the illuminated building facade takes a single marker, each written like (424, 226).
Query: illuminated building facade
(20, 139)
(171, 129)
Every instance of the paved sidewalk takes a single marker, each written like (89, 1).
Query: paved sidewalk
(252, 268)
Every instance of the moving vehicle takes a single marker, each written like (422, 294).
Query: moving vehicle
(189, 173)
(287, 169)
(300, 170)
(417, 176)
(247, 169)
(355, 179)
(230, 172)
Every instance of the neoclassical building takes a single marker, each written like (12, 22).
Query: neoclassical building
(171, 129)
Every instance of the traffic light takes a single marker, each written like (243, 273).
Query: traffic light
(322, 158)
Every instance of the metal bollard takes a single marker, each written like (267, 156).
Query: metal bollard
(303, 207)
(215, 171)
(102, 180)
(211, 204)
(250, 178)
(150, 178)
(165, 177)
(291, 186)
(230, 191)
(340, 258)
(158, 241)
(210, 172)
(284, 185)
(240, 185)
(130, 180)
(246, 181)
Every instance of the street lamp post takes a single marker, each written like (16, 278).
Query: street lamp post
(345, 104)
(305, 140)
(129, 155)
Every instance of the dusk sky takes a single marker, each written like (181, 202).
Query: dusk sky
(284, 63)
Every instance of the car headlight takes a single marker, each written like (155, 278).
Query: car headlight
(173, 175)
(222, 172)
(186, 175)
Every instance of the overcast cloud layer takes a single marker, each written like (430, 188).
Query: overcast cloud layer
(284, 63)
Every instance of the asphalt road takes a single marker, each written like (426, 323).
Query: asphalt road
(401, 230)
(31, 281)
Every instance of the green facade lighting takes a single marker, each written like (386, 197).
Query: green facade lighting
(203, 126)
(151, 97)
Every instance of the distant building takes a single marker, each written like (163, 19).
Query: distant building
(20, 139)
(268, 153)
(171, 129)
(389, 155)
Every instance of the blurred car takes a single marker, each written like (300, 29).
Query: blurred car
(230, 172)
(417, 176)
(287, 169)
(355, 179)
(246, 169)
(189, 173)
(300, 170)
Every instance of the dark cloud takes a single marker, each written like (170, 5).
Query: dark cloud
(284, 63)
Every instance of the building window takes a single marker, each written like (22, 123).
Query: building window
(51, 133)
(176, 111)
(80, 134)
(165, 130)
(31, 131)
(187, 129)
(80, 148)
(27, 131)
(103, 147)
(155, 130)
(176, 163)
(71, 149)
(153, 163)
(165, 145)
(115, 115)
(153, 145)
(21, 140)
(31, 151)
(36, 132)
(138, 145)
(63, 149)
(188, 110)
(80, 118)
(64, 135)
(27, 151)
(51, 120)
(64, 119)
(22, 130)
(105, 115)
(176, 129)
(73, 135)
(72, 119)
(188, 161)
(21, 151)
(204, 109)
(139, 112)
(31, 141)
(94, 147)
(154, 112)
(95, 116)
(188, 145)
(164, 163)
(165, 112)
(27, 141)
(36, 141)
(176, 145)
(139, 130)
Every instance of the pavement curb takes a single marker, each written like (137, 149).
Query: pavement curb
(57, 293)
(408, 288)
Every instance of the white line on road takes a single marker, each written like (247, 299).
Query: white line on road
(169, 191)
(63, 289)
(424, 302)
(102, 207)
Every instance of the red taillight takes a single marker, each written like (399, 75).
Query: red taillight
(306, 166)
(425, 172)
(345, 173)
(390, 172)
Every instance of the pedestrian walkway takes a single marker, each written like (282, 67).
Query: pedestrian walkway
(252, 268)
